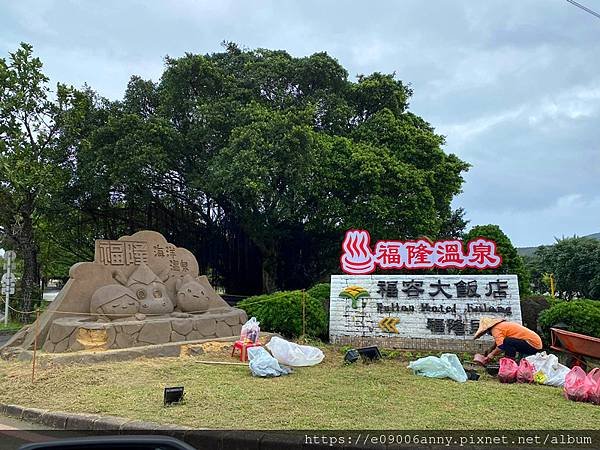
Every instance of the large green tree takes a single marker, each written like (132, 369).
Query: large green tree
(294, 151)
(512, 263)
(575, 264)
(258, 161)
(31, 163)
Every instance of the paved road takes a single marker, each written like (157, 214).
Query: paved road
(14, 433)
(50, 294)
(3, 339)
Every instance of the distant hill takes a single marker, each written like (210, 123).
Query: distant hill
(529, 251)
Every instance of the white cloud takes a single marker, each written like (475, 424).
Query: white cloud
(569, 201)
(572, 104)
(34, 19)
(569, 215)
(458, 134)
(545, 113)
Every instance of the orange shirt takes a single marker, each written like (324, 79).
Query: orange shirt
(516, 331)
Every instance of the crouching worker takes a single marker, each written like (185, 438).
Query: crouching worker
(510, 338)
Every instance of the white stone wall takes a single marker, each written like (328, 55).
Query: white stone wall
(363, 322)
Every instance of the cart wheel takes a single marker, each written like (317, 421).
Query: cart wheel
(573, 361)
(565, 359)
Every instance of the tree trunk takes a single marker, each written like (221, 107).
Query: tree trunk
(30, 284)
(269, 270)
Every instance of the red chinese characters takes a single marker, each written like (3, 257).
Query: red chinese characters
(388, 254)
(482, 254)
(419, 255)
(450, 255)
(358, 259)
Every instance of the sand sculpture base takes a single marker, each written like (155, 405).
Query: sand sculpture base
(74, 334)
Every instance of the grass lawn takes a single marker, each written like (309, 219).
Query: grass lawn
(384, 395)
(10, 326)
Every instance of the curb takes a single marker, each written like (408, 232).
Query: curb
(199, 438)
(88, 422)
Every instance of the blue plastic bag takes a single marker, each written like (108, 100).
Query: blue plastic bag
(262, 364)
(446, 366)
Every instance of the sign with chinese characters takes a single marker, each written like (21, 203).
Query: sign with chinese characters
(133, 253)
(419, 306)
(169, 251)
(121, 253)
(358, 258)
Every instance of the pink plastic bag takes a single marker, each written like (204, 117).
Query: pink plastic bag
(592, 386)
(574, 388)
(507, 373)
(525, 372)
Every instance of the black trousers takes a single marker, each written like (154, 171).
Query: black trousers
(512, 346)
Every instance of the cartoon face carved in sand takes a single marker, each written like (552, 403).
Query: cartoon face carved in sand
(150, 291)
(191, 296)
(114, 302)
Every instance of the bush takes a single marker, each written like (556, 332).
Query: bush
(579, 316)
(321, 292)
(281, 312)
(531, 307)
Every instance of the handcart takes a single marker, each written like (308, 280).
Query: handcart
(576, 346)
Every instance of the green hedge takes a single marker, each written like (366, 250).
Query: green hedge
(281, 312)
(321, 292)
(579, 316)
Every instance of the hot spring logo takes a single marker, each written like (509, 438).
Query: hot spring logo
(354, 293)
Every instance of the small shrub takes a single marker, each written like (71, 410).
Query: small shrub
(344, 348)
(579, 316)
(321, 292)
(531, 307)
(390, 353)
(281, 312)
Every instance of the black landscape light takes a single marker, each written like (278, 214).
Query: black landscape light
(173, 395)
(351, 356)
(472, 375)
(369, 354)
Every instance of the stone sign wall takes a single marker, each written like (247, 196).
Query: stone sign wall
(424, 312)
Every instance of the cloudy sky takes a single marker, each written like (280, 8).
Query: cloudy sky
(515, 86)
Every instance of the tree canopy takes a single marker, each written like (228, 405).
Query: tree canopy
(575, 264)
(31, 161)
(512, 263)
(257, 161)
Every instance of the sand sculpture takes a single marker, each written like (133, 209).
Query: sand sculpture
(140, 290)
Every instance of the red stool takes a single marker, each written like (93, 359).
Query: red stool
(242, 346)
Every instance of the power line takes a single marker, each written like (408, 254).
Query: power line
(588, 10)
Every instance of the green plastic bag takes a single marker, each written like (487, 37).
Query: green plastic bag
(446, 366)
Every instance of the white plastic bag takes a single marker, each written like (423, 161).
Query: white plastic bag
(547, 369)
(250, 330)
(262, 364)
(446, 366)
(294, 355)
